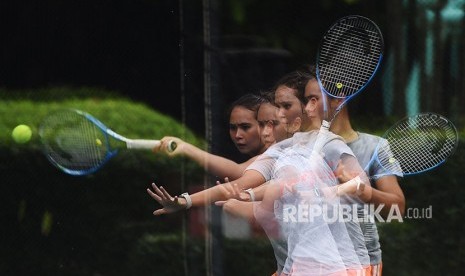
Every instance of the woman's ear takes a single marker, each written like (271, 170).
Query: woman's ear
(334, 103)
(295, 125)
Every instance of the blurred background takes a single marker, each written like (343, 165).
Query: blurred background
(149, 68)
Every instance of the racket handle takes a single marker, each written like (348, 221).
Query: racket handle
(142, 144)
(320, 140)
(149, 144)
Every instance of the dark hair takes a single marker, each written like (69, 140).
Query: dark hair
(268, 96)
(297, 80)
(249, 101)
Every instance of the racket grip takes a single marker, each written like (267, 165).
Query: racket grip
(142, 144)
(321, 138)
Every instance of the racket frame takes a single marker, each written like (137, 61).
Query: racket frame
(375, 153)
(346, 98)
(326, 123)
(108, 134)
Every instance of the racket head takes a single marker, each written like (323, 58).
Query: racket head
(418, 143)
(75, 142)
(349, 56)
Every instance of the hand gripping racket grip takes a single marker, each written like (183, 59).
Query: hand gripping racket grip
(172, 145)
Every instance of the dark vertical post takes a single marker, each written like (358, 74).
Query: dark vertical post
(182, 90)
(213, 108)
(395, 12)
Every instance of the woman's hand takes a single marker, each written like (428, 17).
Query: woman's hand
(170, 204)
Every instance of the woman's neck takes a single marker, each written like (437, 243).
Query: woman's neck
(341, 126)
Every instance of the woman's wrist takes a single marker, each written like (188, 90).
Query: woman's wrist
(353, 186)
(185, 200)
(251, 194)
(366, 194)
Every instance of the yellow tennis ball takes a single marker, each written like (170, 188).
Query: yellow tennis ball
(21, 134)
(98, 142)
(339, 85)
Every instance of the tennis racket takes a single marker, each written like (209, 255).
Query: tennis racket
(348, 57)
(416, 144)
(79, 144)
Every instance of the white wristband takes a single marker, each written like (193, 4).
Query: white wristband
(251, 193)
(353, 181)
(360, 185)
(188, 199)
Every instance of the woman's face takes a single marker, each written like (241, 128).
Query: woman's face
(244, 131)
(271, 128)
(290, 107)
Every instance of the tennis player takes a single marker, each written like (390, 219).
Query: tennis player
(334, 150)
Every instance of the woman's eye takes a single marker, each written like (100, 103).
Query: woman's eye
(245, 127)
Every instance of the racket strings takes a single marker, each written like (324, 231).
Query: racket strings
(422, 143)
(93, 154)
(73, 142)
(352, 74)
(408, 151)
(349, 55)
